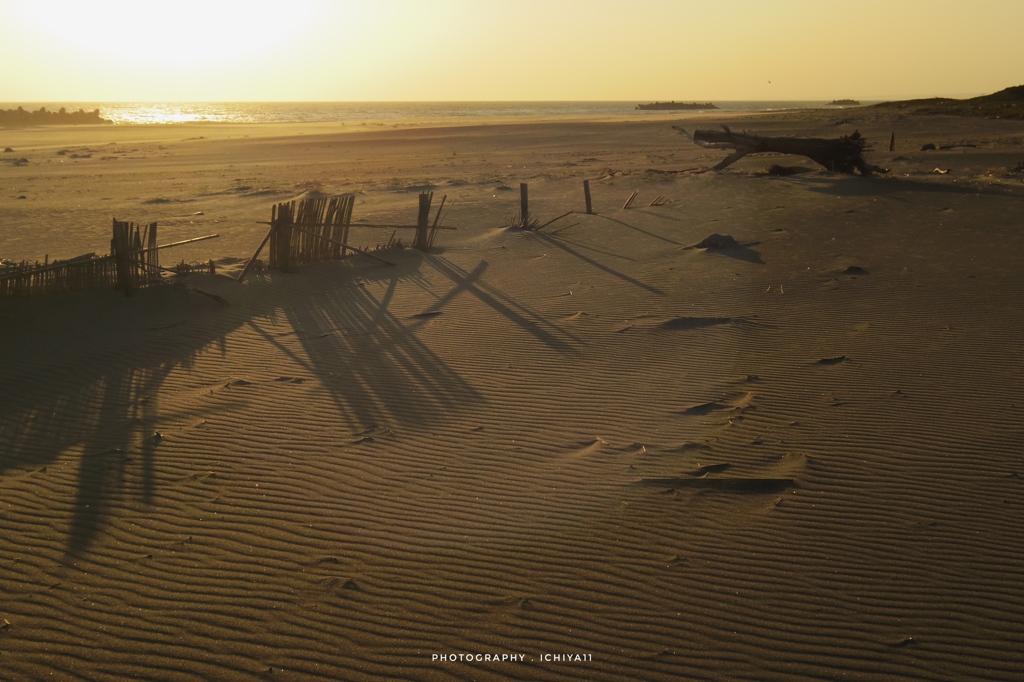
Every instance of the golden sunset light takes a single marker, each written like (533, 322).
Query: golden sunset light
(395, 50)
(511, 340)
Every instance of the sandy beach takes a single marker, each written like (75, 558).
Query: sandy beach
(590, 446)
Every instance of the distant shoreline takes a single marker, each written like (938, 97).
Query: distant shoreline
(122, 113)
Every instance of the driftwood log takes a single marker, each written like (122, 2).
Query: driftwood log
(844, 155)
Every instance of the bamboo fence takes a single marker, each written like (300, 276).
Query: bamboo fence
(133, 263)
(310, 230)
(129, 266)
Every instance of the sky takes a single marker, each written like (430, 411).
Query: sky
(507, 50)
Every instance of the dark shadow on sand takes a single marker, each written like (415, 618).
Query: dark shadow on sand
(84, 372)
(558, 242)
(893, 186)
(89, 370)
(638, 229)
(527, 319)
(741, 252)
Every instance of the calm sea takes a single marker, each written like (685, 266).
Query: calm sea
(296, 112)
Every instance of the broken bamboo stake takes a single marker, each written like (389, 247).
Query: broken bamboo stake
(181, 243)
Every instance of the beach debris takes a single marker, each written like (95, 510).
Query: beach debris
(629, 201)
(8, 150)
(716, 241)
(1019, 168)
(844, 155)
(710, 469)
(675, 560)
(659, 201)
(832, 361)
(5, 626)
(855, 270)
(942, 171)
(928, 147)
(906, 641)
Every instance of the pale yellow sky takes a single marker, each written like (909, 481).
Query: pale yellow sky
(407, 50)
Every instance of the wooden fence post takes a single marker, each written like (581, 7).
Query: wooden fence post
(586, 195)
(524, 205)
(422, 239)
(119, 249)
(892, 142)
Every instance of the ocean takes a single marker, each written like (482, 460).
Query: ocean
(134, 113)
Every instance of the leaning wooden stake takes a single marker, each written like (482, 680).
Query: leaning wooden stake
(630, 200)
(435, 226)
(586, 196)
(252, 260)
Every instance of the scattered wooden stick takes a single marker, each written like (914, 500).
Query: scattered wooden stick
(252, 259)
(181, 243)
(659, 201)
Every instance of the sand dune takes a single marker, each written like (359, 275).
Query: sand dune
(798, 458)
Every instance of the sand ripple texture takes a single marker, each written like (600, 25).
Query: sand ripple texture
(797, 459)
